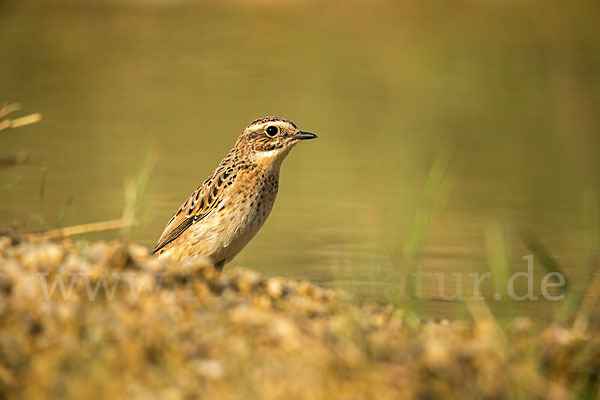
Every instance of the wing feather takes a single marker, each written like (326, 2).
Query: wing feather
(200, 204)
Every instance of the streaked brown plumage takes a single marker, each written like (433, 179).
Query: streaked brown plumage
(232, 204)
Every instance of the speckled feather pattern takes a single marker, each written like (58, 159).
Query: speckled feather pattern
(224, 213)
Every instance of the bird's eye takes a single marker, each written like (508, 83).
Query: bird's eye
(272, 130)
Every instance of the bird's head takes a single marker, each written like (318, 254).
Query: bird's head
(271, 138)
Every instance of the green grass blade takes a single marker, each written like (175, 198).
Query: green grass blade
(8, 185)
(41, 191)
(64, 210)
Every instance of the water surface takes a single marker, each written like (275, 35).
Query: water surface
(444, 130)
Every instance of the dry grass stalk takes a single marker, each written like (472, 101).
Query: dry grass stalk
(8, 123)
(80, 229)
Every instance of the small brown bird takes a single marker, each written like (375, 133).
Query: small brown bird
(232, 204)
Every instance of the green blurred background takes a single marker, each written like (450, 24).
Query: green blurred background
(446, 129)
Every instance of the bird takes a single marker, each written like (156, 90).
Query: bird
(225, 212)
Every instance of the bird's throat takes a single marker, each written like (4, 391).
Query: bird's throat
(271, 159)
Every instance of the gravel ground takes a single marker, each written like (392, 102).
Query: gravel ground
(157, 329)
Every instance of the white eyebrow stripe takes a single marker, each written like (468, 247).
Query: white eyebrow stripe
(280, 124)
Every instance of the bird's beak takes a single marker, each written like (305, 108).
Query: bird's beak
(304, 135)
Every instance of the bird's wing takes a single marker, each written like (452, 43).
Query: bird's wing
(200, 204)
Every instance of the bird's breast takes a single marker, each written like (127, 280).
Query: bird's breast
(244, 211)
